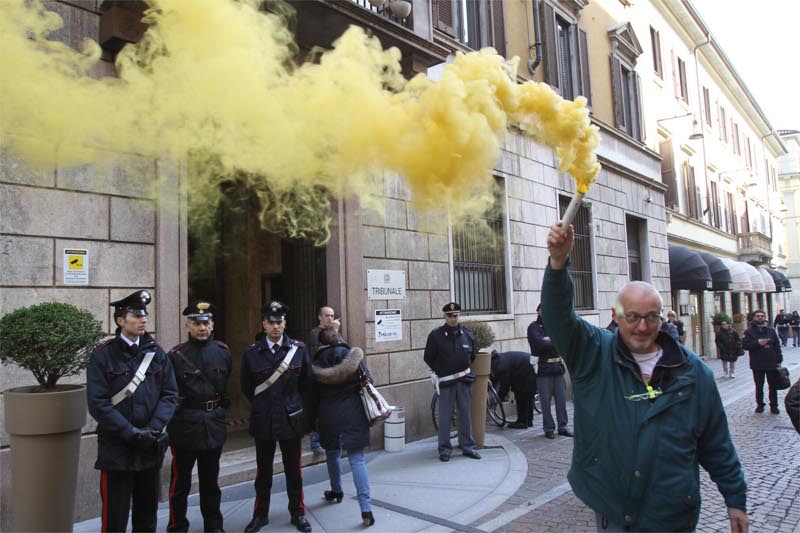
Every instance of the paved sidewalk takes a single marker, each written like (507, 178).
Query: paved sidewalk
(411, 491)
(768, 448)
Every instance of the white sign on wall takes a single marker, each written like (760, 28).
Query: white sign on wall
(76, 266)
(386, 284)
(388, 325)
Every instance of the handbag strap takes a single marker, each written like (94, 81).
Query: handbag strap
(137, 379)
(278, 372)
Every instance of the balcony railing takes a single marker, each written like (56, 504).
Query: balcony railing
(754, 245)
(386, 12)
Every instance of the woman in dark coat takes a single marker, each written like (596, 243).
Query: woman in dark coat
(342, 422)
(729, 347)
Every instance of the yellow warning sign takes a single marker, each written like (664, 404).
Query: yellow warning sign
(75, 262)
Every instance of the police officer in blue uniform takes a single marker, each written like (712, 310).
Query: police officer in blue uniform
(449, 352)
(198, 431)
(131, 393)
(275, 382)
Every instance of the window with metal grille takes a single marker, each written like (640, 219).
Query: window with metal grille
(581, 267)
(633, 229)
(479, 251)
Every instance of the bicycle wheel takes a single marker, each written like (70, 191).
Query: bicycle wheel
(537, 405)
(494, 407)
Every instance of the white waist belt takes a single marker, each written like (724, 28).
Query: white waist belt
(457, 375)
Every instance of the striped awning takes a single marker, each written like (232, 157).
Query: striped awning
(740, 275)
(755, 278)
(769, 283)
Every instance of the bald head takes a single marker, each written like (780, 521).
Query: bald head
(636, 290)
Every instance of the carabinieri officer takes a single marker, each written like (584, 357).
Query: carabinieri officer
(131, 393)
(449, 352)
(198, 431)
(275, 371)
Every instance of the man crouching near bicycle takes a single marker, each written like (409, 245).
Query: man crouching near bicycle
(514, 371)
(449, 352)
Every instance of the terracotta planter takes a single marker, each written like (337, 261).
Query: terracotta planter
(481, 367)
(45, 430)
(739, 327)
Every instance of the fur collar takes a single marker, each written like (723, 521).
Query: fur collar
(341, 373)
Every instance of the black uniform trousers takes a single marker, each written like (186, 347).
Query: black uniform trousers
(524, 407)
(771, 377)
(181, 484)
(118, 489)
(292, 456)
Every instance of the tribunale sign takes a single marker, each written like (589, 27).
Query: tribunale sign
(386, 284)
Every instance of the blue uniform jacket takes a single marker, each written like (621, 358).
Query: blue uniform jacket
(194, 428)
(450, 350)
(111, 367)
(269, 414)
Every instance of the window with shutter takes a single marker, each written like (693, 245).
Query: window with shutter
(668, 176)
(706, 106)
(551, 51)
(583, 62)
(498, 26)
(566, 53)
(655, 41)
(616, 93)
(625, 84)
(444, 16)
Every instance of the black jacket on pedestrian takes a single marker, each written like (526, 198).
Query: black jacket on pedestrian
(792, 403)
(196, 427)
(763, 357)
(513, 371)
(449, 351)
(111, 367)
(728, 344)
(781, 321)
(340, 412)
(269, 414)
(794, 321)
(544, 349)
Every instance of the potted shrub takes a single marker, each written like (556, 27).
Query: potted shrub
(484, 335)
(481, 367)
(717, 319)
(52, 341)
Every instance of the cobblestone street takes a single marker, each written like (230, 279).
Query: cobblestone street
(768, 448)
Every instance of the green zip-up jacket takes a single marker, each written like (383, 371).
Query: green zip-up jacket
(637, 462)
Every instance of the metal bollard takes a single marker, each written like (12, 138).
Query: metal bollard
(394, 431)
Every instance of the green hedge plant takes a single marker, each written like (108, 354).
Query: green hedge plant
(52, 340)
(484, 336)
(719, 316)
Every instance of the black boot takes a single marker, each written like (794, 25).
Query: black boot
(367, 519)
(256, 523)
(301, 523)
(331, 495)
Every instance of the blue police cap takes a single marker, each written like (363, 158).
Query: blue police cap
(135, 303)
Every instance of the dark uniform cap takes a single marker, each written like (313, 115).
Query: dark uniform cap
(136, 303)
(451, 308)
(200, 311)
(274, 311)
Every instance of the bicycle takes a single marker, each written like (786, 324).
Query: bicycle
(494, 408)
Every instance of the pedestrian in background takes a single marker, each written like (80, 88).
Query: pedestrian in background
(673, 318)
(648, 409)
(670, 329)
(131, 414)
(781, 325)
(326, 319)
(198, 430)
(729, 347)
(514, 371)
(762, 342)
(550, 380)
(342, 422)
(794, 323)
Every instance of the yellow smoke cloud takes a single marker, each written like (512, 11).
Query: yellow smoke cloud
(220, 77)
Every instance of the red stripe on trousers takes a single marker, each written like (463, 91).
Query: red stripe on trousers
(300, 470)
(104, 497)
(172, 487)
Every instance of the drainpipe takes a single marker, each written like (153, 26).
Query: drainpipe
(537, 45)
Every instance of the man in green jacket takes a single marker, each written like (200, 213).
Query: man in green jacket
(647, 411)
